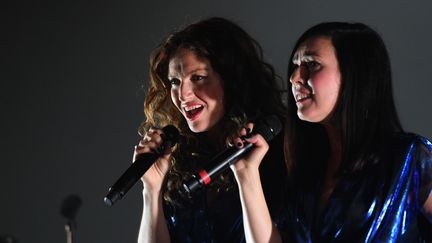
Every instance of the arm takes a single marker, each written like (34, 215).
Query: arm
(427, 207)
(426, 177)
(258, 225)
(153, 226)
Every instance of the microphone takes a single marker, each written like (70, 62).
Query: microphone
(69, 209)
(139, 167)
(70, 206)
(268, 127)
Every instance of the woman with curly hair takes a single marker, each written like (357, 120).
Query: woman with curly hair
(207, 79)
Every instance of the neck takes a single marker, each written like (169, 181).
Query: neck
(212, 137)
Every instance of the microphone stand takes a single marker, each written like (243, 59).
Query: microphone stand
(69, 210)
(69, 231)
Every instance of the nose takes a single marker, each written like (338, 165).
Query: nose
(185, 90)
(299, 75)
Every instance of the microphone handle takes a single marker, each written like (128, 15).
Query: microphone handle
(130, 177)
(206, 175)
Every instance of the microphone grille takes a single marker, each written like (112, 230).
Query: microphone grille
(70, 206)
(268, 127)
(171, 134)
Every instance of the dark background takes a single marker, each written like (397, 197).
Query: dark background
(72, 77)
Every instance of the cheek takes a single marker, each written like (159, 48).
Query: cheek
(174, 98)
(220, 107)
(218, 96)
(329, 90)
(215, 96)
(334, 88)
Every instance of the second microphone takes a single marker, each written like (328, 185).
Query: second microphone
(268, 127)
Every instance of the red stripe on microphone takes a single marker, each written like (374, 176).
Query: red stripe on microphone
(204, 176)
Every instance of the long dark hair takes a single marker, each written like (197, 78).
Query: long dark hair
(365, 111)
(249, 84)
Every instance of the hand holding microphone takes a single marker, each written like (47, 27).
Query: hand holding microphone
(268, 128)
(152, 154)
(155, 142)
(253, 158)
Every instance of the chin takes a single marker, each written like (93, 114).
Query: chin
(302, 116)
(308, 118)
(197, 129)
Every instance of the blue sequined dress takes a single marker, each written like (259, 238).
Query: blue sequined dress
(380, 203)
(218, 218)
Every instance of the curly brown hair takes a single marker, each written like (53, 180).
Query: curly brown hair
(249, 84)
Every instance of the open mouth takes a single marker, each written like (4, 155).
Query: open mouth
(301, 97)
(192, 112)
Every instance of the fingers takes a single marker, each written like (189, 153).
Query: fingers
(229, 142)
(248, 128)
(151, 142)
(238, 139)
(153, 134)
(250, 161)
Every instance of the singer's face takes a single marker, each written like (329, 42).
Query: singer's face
(316, 79)
(196, 90)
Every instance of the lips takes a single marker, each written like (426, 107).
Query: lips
(192, 111)
(299, 97)
(301, 93)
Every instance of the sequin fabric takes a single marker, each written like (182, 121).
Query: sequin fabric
(383, 202)
(220, 219)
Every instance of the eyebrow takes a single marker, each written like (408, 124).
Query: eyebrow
(306, 54)
(191, 71)
(199, 69)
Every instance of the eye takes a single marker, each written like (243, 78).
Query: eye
(174, 81)
(312, 65)
(197, 77)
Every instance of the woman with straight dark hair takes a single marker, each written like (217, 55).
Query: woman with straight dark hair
(354, 174)
(207, 79)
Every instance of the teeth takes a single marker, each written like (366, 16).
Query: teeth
(189, 108)
(302, 96)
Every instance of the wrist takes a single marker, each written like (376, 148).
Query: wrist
(247, 176)
(151, 194)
